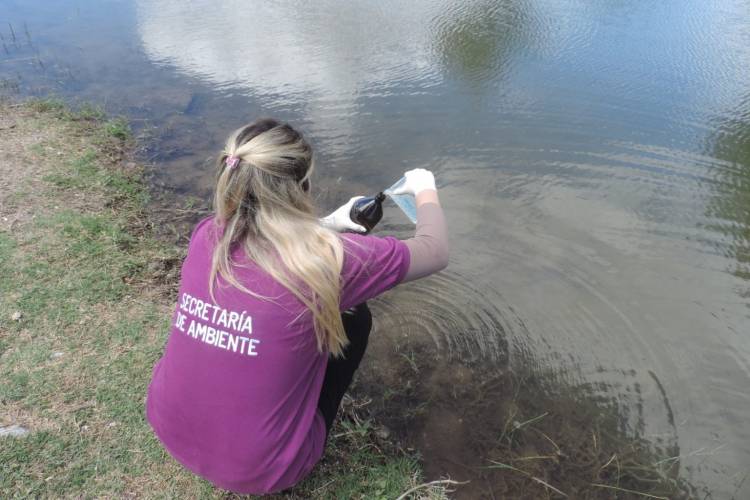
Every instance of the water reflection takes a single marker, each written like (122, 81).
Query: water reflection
(474, 41)
(731, 201)
(288, 49)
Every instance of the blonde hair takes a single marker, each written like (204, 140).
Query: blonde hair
(262, 203)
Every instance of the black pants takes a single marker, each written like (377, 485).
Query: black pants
(340, 371)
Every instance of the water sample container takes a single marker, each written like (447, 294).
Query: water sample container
(405, 202)
(368, 211)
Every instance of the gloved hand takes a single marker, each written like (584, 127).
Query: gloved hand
(417, 180)
(340, 221)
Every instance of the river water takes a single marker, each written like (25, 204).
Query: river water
(593, 159)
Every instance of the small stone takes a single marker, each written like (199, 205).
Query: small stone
(112, 424)
(16, 316)
(56, 355)
(84, 428)
(13, 431)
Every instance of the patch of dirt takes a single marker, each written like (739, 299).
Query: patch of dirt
(20, 170)
(31, 146)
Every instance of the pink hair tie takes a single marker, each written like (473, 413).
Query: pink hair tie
(232, 161)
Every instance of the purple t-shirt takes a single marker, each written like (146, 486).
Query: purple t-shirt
(234, 397)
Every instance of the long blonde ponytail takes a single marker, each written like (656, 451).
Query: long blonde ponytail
(262, 203)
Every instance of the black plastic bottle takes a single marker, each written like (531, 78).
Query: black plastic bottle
(368, 211)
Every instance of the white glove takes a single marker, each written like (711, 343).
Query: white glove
(340, 221)
(417, 180)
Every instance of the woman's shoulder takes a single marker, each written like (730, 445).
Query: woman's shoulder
(205, 222)
(372, 248)
(372, 265)
(366, 242)
(204, 233)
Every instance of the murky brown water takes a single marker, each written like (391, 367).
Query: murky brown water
(593, 159)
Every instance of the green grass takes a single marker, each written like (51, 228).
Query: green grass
(88, 111)
(107, 135)
(117, 128)
(94, 319)
(53, 105)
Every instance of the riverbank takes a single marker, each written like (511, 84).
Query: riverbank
(90, 269)
(85, 301)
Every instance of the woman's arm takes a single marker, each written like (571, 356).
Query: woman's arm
(428, 249)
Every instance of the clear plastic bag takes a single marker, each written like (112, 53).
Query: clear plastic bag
(405, 202)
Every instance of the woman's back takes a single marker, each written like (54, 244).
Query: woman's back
(260, 355)
(235, 396)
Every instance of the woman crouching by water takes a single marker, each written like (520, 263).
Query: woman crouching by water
(271, 321)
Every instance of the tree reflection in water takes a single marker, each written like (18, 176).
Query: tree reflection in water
(731, 202)
(476, 42)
